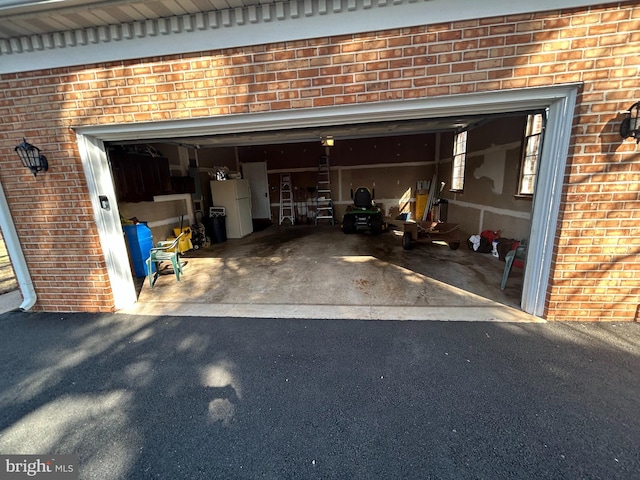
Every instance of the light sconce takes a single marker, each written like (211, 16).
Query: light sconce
(630, 126)
(31, 157)
(327, 141)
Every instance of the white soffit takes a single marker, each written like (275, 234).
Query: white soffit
(50, 42)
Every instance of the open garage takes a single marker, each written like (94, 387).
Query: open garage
(394, 159)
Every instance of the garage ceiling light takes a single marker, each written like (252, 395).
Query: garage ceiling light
(327, 141)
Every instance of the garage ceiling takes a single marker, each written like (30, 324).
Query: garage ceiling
(341, 132)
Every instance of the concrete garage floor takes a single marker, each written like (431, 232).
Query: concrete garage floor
(308, 271)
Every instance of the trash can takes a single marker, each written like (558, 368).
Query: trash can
(215, 226)
(140, 241)
(219, 226)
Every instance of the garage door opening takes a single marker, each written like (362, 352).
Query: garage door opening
(558, 101)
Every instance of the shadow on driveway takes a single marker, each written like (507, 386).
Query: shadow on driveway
(170, 397)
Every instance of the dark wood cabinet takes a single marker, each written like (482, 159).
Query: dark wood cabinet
(183, 185)
(139, 178)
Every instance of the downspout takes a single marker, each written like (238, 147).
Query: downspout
(15, 253)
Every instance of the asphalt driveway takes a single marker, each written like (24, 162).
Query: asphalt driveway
(213, 398)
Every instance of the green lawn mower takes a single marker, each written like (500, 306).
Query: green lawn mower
(363, 215)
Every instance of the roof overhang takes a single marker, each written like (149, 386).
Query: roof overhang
(36, 35)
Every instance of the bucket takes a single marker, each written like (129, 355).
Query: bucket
(184, 245)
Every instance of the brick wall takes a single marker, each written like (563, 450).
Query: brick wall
(596, 266)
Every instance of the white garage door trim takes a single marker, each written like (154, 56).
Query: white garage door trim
(560, 100)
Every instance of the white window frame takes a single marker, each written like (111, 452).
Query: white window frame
(459, 161)
(532, 145)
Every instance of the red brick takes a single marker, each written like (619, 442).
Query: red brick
(592, 274)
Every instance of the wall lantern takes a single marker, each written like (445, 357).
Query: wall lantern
(630, 126)
(31, 157)
(327, 141)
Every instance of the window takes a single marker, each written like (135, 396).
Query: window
(531, 153)
(459, 157)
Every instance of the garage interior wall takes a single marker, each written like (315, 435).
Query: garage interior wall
(391, 166)
(489, 200)
(388, 165)
(595, 266)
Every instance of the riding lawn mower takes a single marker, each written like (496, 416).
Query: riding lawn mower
(363, 215)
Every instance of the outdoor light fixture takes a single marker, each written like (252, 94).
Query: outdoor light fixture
(630, 126)
(31, 157)
(327, 141)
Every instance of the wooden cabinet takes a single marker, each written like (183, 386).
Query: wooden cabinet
(139, 178)
(183, 185)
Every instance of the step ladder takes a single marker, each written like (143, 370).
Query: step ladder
(324, 201)
(286, 199)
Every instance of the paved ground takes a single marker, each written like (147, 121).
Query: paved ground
(216, 398)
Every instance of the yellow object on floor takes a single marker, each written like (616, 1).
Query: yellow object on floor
(184, 245)
(421, 203)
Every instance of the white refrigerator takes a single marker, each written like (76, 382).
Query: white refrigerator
(235, 197)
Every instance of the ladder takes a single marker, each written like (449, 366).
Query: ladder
(324, 202)
(286, 199)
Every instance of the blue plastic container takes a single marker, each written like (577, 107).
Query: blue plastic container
(140, 243)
